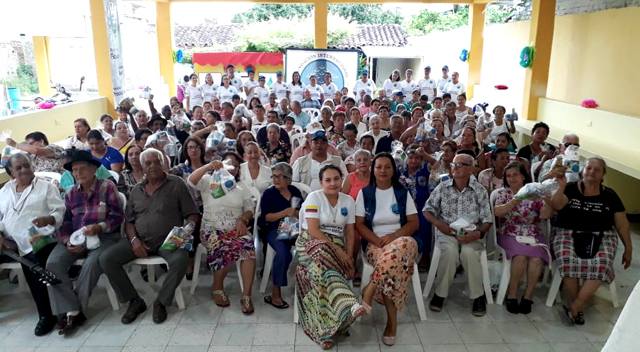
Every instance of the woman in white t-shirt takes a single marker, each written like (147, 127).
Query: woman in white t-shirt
(386, 217)
(392, 83)
(252, 172)
(226, 90)
(326, 304)
(209, 90)
(296, 88)
(193, 92)
(408, 86)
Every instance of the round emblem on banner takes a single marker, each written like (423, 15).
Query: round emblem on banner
(319, 67)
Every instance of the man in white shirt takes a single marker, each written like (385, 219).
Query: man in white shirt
(250, 85)
(455, 87)
(364, 84)
(442, 82)
(306, 169)
(408, 86)
(328, 86)
(280, 87)
(26, 202)
(234, 81)
(261, 92)
(428, 85)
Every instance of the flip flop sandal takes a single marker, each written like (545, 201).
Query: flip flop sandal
(247, 305)
(579, 320)
(284, 305)
(224, 297)
(568, 316)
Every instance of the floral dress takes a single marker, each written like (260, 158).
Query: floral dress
(53, 164)
(523, 220)
(282, 153)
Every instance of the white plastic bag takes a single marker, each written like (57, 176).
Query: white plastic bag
(495, 274)
(78, 238)
(424, 132)
(181, 121)
(461, 225)
(4, 135)
(289, 227)
(222, 182)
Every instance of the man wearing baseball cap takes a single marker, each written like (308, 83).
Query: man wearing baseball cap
(280, 87)
(428, 85)
(443, 81)
(305, 148)
(398, 99)
(261, 91)
(365, 84)
(307, 168)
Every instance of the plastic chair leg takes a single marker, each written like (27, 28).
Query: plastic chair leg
(239, 276)
(268, 263)
(555, 287)
(433, 268)
(200, 251)
(151, 272)
(22, 281)
(614, 294)
(295, 305)
(416, 291)
(115, 305)
(504, 280)
(485, 277)
(179, 297)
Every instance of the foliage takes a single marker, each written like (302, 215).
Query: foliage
(24, 79)
(427, 21)
(353, 13)
(278, 35)
(266, 12)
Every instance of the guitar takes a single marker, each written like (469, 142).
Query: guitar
(45, 276)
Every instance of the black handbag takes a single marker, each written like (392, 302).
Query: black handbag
(586, 244)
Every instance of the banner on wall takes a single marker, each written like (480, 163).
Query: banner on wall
(342, 64)
(115, 49)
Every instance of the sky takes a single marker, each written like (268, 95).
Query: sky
(71, 18)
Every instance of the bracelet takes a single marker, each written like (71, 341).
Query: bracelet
(133, 239)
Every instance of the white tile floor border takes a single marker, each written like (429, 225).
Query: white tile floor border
(204, 327)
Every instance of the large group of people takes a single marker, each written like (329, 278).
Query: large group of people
(381, 173)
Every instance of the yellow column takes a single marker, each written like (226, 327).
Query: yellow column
(320, 16)
(476, 24)
(43, 69)
(541, 35)
(164, 32)
(101, 53)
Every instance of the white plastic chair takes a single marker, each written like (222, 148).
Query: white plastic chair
(534, 166)
(22, 281)
(415, 278)
(116, 176)
(297, 140)
(297, 129)
(435, 260)
(49, 175)
(313, 113)
(201, 251)
(157, 260)
(113, 299)
(268, 262)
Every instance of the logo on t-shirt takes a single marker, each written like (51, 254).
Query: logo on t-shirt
(344, 211)
(395, 209)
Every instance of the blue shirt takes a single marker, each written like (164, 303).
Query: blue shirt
(112, 156)
(302, 120)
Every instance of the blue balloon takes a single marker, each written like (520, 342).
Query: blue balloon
(179, 56)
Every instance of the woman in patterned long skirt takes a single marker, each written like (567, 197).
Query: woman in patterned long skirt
(326, 305)
(591, 217)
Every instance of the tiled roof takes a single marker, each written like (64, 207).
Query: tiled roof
(205, 35)
(375, 35)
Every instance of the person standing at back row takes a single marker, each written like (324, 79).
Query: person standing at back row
(364, 84)
(233, 80)
(427, 84)
(442, 82)
(280, 87)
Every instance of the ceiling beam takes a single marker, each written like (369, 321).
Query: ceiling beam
(338, 1)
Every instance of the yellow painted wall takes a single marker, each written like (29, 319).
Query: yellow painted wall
(595, 56)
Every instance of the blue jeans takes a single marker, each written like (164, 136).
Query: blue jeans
(282, 258)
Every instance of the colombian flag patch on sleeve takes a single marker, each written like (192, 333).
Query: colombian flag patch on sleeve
(311, 209)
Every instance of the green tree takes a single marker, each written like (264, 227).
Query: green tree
(427, 21)
(366, 13)
(24, 79)
(265, 12)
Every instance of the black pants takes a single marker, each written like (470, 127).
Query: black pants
(38, 289)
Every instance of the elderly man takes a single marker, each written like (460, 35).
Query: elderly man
(307, 102)
(272, 117)
(155, 206)
(397, 127)
(451, 123)
(27, 201)
(283, 108)
(305, 148)
(459, 198)
(301, 117)
(92, 210)
(455, 87)
(568, 140)
(307, 168)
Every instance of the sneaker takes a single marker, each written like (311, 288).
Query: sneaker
(525, 306)
(512, 305)
(436, 303)
(479, 306)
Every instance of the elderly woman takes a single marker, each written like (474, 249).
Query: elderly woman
(225, 230)
(326, 304)
(468, 143)
(44, 157)
(132, 173)
(276, 204)
(325, 118)
(252, 172)
(387, 220)
(366, 143)
(276, 149)
(79, 141)
(443, 166)
(521, 218)
(27, 201)
(122, 140)
(492, 178)
(585, 237)
(109, 157)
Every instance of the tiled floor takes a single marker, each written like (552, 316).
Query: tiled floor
(204, 327)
